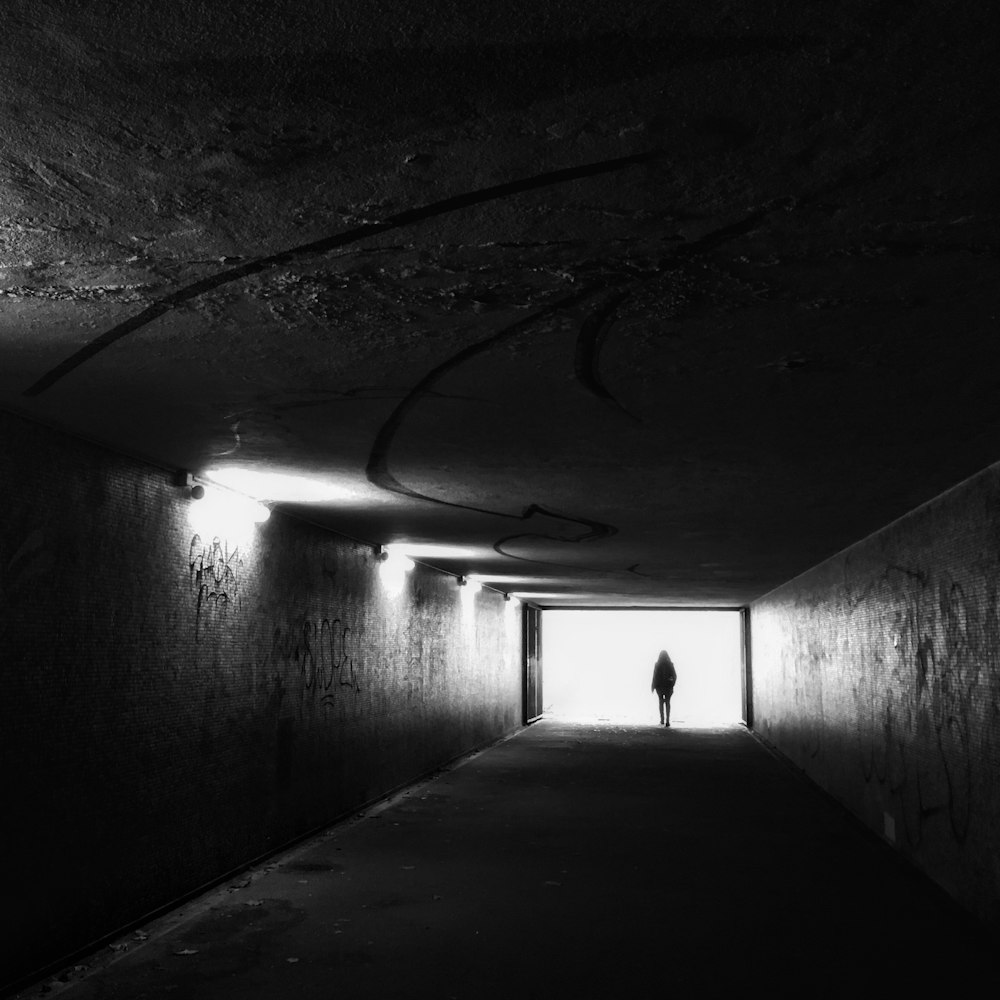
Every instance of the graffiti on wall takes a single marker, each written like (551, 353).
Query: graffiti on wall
(326, 659)
(324, 654)
(215, 572)
(927, 685)
(23, 568)
(319, 655)
(888, 669)
(31, 559)
(425, 662)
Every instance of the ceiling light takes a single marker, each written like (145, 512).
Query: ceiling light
(275, 485)
(430, 551)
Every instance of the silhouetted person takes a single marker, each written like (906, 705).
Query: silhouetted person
(664, 679)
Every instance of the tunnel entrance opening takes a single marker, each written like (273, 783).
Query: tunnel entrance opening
(599, 664)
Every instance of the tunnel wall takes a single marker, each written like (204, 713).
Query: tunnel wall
(176, 705)
(878, 674)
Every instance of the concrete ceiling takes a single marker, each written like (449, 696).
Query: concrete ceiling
(611, 303)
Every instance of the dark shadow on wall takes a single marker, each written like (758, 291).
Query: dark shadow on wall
(175, 709)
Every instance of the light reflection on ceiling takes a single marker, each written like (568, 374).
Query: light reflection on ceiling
(277, 486)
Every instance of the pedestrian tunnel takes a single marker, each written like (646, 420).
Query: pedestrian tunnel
(598, 665)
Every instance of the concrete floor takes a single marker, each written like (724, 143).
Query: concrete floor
(577, 860)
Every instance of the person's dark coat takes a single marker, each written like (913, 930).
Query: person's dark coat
(664, 674)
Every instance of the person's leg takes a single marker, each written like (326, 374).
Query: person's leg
(665, 710)
(659, 700)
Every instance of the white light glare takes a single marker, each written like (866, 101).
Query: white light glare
(469, 591)
(577, 647)
(397, 557)
(225, 515)
(394, 569)
(428, 551)
(276, 486)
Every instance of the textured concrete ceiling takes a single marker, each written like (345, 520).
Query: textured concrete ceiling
(615, 303)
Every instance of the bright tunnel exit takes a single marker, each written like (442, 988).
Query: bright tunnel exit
(599, 665)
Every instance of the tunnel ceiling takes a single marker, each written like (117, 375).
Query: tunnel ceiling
(610, 303)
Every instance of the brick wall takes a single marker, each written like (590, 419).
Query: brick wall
(176, 704)
(878, 673)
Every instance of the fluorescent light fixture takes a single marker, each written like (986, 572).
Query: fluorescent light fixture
(275, 485)
(501, 579)
(429, 551)
(526, 595)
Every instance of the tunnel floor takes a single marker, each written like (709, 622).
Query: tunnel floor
(577, 860)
